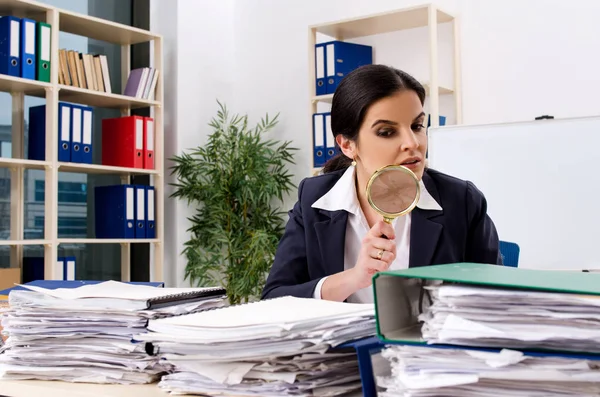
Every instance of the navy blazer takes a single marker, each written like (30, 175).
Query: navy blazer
(312, 246)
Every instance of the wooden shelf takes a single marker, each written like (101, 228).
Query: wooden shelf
(329, 97)
(24, 9)
(442, 90)
(26, 86)
(384, 22)
(23, 163)
(103, 169)
(24, 242)
(101, 99)
(106, 241)
(323, 98)
(102, 29)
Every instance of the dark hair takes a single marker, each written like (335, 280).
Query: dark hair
(353, 96)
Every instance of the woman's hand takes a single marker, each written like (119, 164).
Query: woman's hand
(376, 254)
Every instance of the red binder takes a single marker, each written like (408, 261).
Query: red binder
(149, 143)
(123, 141)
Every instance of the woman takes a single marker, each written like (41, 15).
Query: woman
(334, 241)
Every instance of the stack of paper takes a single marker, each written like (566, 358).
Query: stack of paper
(85, 334)
(426, 371)
(484, 316)
(275, 347)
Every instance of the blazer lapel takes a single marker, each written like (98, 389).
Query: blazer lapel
(424, 233)
(331, 235)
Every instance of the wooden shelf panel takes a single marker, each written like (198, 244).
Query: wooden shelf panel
(384, 22)
(24, 9)
(106, 241)
(24, 242)
(102, 29)
(329, 97)
(26, 86)
(102, 169)
(101, 99)
(23, 163)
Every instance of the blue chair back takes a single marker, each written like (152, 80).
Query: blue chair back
(510, 253)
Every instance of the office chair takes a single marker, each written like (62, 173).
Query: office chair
(510, 253)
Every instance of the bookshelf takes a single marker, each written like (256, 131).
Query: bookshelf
(427, 15)
(53, 92)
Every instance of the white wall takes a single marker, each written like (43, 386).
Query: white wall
(517, 64)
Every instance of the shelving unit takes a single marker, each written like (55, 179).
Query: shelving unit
(393, 21)
(94, 28)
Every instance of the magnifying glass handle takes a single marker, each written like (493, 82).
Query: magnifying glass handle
(389, 222)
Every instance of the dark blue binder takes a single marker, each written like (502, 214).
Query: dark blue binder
(140, 211)
(27, 48)
(320, 69)
(81, 134)
(342, 58)
(319, 139)
(150, 213)
(331, 147)
(64, 132)
(36, 141)
(114, 211)
(33, 269)
(68, 263)
(10, 32)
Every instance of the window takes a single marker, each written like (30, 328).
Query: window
(71, 226)
(68, 192)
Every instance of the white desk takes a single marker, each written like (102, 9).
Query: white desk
(31, 388)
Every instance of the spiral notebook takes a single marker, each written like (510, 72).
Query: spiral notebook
(129, 296)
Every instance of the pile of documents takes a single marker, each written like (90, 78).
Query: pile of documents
(428, 371)
(496, 317)
(282, 346)
(85, 334)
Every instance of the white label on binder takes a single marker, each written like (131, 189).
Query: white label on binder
(139, 134)
(87, 127)
(30, 37)
(328, 133)
(76, 125)
(330, 60)
(150, 204)
(140, 204)
(319, 135)
(65, 126)
(129, 203)
(60, 269)
(14, 38)
(70, 270)
(150, 134)
(45, 53)
(320, 55)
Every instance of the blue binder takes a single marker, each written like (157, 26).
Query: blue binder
(331, 147)
(140, 211)
(81, 134)
(320, 69)
(64, 132)
(37, 133)
(150, 213)
(10, 31)
(54, 284)
(114, 211)
(319, 140)
(27, 50)
(68, 263)
(33, 269)
(342, 58)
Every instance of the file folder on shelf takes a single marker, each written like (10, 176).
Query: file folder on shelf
(64, 132)
(42, 65)
(150, 213)
(10, 32)
(321, 86)
(123, 141)
(115, 211)
(28, 48)
(81, 148)
(140, 212)
(342, 58)
(37, 133)
(399, 297)
(331, 147)
(68, 266)
(33, 269)
(319, 139)
(149, 143)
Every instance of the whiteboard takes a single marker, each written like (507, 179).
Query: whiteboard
(541, 180)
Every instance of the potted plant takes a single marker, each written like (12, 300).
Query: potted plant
(233, 182)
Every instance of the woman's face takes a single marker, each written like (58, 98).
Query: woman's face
(393, 132)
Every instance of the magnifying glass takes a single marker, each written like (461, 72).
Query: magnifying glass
(393, 191)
